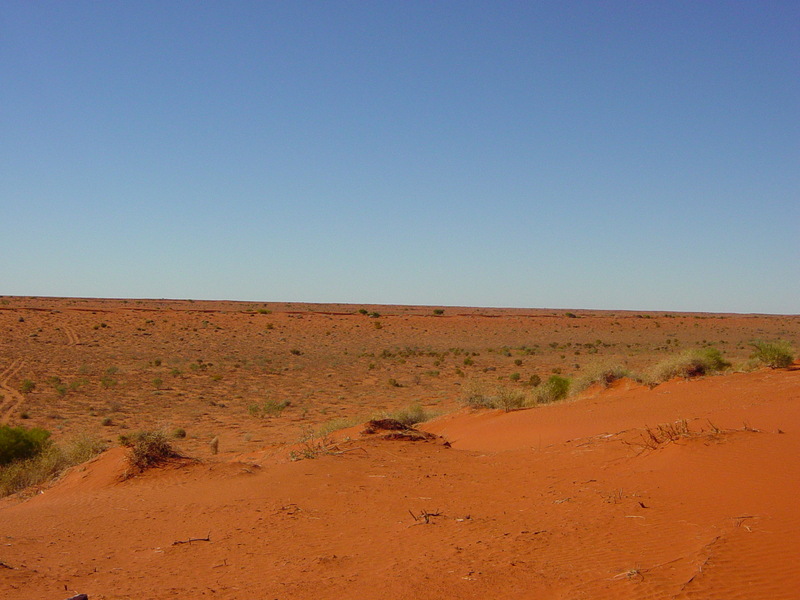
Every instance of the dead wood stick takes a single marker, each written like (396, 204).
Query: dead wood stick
(190, 540)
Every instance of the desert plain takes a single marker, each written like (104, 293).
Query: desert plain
(684, 489)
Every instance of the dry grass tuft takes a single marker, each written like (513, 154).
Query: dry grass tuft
(691, 363)
(603, 373)
(410, 415)
(477, 394)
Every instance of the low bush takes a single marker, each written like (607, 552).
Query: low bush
(687, 364)
(19, 443)
(476, 395)
(479, 395)
(775, 355)
(147, 449)
(604, 374)
(410, 415)
(510, 398)
(269, 408)
(51, 461)
(554, 389)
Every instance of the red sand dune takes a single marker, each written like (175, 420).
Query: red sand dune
(565, 501)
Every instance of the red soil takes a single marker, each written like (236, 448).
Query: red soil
(572, 500)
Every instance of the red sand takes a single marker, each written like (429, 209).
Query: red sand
(565, 501)
(555, 502)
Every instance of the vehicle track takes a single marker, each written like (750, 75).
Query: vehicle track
(72, 336)
(12, 398)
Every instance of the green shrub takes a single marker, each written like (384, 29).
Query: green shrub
(554, 389)
(438, 311)
(687, 364)
(46, 465)
(774, 355)
(27, 386)
(19, 443)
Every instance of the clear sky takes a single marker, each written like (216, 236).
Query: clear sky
(620, 155)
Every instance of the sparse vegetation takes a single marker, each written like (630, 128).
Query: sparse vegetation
(58, 385)
(554, 389)
(314, 444)
(479, 395)
(333, 425)
(48, 463)
(27, 386)
(18, 443)
(775, 355)
(410, 415)
(687, 364)
(603, 374)
(268, 408)
(148, 449)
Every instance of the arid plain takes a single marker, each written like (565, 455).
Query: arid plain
(574, 499)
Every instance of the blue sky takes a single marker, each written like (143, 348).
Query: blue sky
(614, 155)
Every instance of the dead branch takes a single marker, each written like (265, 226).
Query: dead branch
(424, 518)
(190, 540)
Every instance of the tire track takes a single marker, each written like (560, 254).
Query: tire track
(72, 336)
(12, 398)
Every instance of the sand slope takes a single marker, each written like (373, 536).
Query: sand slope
(564, 501)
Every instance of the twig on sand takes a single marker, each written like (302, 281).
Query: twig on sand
(190, 540)
(629, 574)
(424, 517)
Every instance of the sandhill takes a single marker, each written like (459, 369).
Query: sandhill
(679, 490)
